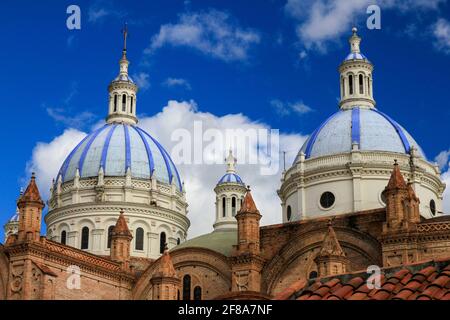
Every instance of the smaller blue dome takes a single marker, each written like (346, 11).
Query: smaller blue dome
(231, 177)
(355, 56)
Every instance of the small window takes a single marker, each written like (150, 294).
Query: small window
(233, 206)
(178, 241)
(343, 87)
(131, 105)
(289, 213)
(187, 287)
(433, 207)
(115, 103)
(197, 293)
(383, 197)
(350, 84)
(139, 245)
(124, 103)
(162, 242)
(361, 84)
(327, 200)
(63, 237)
(110, 230)
(313, 274)
(224, 212)
(85, 238)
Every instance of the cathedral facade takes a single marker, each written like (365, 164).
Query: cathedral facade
(360, 194)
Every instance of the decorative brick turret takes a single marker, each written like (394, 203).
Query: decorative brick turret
(402, 204)
(331, 258)
(246, 260)
(120, 242)
(165, 282)
(30, 207)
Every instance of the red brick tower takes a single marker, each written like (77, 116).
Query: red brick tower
(120, 242)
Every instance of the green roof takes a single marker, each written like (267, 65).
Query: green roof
(221, 241)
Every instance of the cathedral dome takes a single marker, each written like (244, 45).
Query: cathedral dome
(369, 128)
(115, 148)
(230, 178)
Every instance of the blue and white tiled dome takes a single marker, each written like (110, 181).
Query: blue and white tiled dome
(15, 217)
(115, 148)
(230, 177)
(369, 128)
(355, 56)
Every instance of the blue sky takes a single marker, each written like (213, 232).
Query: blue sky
(275, 62)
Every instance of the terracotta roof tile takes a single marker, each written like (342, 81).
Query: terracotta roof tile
(406, 283)
(248, 205)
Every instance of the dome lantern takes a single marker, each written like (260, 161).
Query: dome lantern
(356, 77)
(122, 92)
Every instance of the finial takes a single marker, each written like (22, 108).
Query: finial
(395, 162)
(354, 30)
(248, 188)
(355, 41)
(33, 175)
(330, 221)
(21, 191)
(125, 35)
(231, 162)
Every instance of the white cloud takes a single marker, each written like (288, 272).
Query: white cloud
(442, 159)
(441, 31)
(47, 158)
(287, 108)
(142, 80)
(213, 32)
(324, 21)
(173, 82)
(200, 180)
(101, 10)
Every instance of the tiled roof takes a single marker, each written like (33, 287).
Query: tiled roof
(121, 227)
(422, 281)
(31, 193)
(248, 204)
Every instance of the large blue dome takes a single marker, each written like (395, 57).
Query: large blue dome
(369, 128)
(116, 147)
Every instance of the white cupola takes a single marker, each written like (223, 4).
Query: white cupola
(356, 77)
(122, 92)
(230, 192)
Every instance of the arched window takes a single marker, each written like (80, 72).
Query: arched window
(343, 87)
(110, 230)
(197, 293)
(178, 241)
(63, 237)
(433, 207)
(361, 84)
(313, 274)
(124, 103)
(115, 103)
(139, 245)
(131, 105)
(350, 84)
(289, 213)
(85, 238)
(233, 206)
(370, 89)
(187, 287)
(224, 211)
(162, 242)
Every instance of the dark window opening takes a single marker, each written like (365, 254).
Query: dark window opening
(361, 84)
(433, 207)
(139, 245)
(327, 199)
(313, 274)
(187, 287)
(289, 213)
(110, 230)
(350, 84)
(224, 207)
(197, 293)
(85, 238)
(63, 237)
(115, 103)
(162, 242)
(124, 103)
(178, 241)
(131, 105)
(233, 206)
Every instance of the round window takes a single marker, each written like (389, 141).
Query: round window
(313, 274)
(327, 199)
(383, 197)
(432, 207)
(289, 213)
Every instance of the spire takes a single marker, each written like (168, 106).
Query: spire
(330, 245)
(248, 205)
(396, 181)
(356, 77)
(166, 268)
(121, 227)
(31, 193)
(122, 91)
(231, 162)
